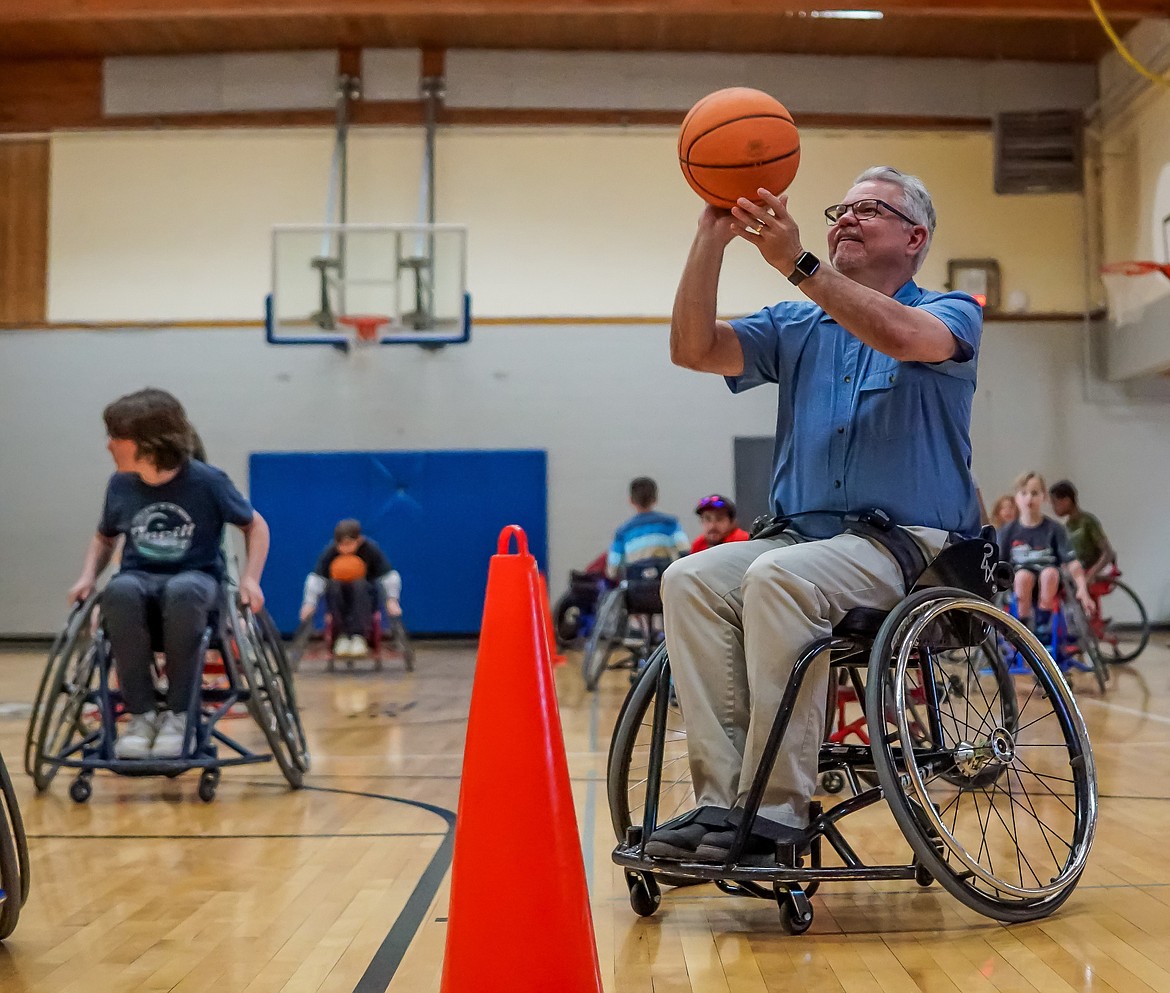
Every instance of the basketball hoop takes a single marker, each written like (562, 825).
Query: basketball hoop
(1127, 297)
(365, 326)
(1135, 268)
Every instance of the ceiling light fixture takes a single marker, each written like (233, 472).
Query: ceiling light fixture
(849, 15)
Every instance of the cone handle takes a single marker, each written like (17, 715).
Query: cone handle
(521, 540)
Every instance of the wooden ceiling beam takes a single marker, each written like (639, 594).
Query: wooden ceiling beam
(94, 12)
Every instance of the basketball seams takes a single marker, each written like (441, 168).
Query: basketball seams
(723, 124)
(757, 122)
(744, 165)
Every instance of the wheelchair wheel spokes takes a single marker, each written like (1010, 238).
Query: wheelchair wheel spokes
(1000, 802)
(68, 716)
(1084, 641)
(629, 757)
(79, 625)
(1120, 624)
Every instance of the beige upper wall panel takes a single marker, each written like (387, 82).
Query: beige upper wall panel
(573, 222)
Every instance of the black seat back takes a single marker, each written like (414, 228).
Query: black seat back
(644, 586)
(969, 565)
(972, 566)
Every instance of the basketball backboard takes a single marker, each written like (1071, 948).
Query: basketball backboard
(412, 277)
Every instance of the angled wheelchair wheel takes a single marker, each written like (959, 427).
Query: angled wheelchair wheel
(272, 700)
(628, 765)
(80, 619)
(608, 630)
(1084, 640)
(14, 868)
(400, 641)
(65, 717)
(1121, 641)
(994, 788)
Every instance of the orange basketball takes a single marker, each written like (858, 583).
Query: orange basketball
(734, 142)
(347, 568)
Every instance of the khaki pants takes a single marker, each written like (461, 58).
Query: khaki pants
(737, 617)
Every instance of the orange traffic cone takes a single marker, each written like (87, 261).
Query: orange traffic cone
(550, 634)
(519, 920)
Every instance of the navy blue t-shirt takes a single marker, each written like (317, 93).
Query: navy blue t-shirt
(177, 526)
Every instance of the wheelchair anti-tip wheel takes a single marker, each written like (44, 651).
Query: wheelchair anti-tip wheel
(995, 788)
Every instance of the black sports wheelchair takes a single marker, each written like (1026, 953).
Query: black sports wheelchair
(637, 597)
(988, 772)
(75, 715)
(14, 877)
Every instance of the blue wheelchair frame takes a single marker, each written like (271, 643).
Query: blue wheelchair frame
(79, 667)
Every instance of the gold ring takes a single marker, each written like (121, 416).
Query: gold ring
(759, 232)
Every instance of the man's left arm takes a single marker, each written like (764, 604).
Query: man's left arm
(909, 334)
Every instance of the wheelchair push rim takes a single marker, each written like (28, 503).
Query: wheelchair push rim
(947, 846)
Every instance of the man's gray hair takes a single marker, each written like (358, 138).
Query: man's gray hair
(916, 202)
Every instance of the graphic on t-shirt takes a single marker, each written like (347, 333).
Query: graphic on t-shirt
(162, 532)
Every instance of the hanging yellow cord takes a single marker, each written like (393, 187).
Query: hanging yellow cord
(1122, 50)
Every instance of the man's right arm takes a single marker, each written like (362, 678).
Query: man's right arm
(698, 339)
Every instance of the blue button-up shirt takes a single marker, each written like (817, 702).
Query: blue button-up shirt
(856, 428)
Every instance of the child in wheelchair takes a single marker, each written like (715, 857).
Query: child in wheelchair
(354, 575)
(169, 509)
(1037, 547)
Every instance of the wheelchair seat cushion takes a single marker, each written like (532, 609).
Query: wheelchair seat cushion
(860, 622)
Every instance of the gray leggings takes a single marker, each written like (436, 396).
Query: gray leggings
(182, 602)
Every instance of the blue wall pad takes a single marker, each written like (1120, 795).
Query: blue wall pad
(437, 515)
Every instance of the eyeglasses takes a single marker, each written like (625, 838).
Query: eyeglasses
(863, 210)
(713, 502)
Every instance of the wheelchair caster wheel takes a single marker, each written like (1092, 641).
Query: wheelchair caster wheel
(922, 875)
(832, 782)
(208, 784)
(80, 790)
(644, 893)
(796, 913)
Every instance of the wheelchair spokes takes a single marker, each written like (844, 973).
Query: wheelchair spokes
(1004, 784)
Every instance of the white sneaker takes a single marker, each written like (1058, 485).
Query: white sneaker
(168, 743)
(358, 649)
(341, 647)
(135, 741)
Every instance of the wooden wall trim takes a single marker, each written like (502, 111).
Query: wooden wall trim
(24, 229)
(46, 95)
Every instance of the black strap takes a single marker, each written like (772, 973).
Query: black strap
(899, 543)
(874, 524)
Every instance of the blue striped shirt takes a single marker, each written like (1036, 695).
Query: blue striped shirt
(648, 535)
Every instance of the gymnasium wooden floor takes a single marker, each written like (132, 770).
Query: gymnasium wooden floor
(342, 887)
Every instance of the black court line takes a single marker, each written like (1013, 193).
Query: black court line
(389, 955)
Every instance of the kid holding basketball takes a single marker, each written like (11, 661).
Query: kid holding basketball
(170, 510)
(350, 572)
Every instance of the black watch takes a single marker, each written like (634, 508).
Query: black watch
(806, 264)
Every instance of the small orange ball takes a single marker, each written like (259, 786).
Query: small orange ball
(347, 568)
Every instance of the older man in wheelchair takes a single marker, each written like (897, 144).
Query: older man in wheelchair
(872, 481)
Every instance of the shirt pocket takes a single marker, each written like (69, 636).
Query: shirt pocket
(882, 402)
